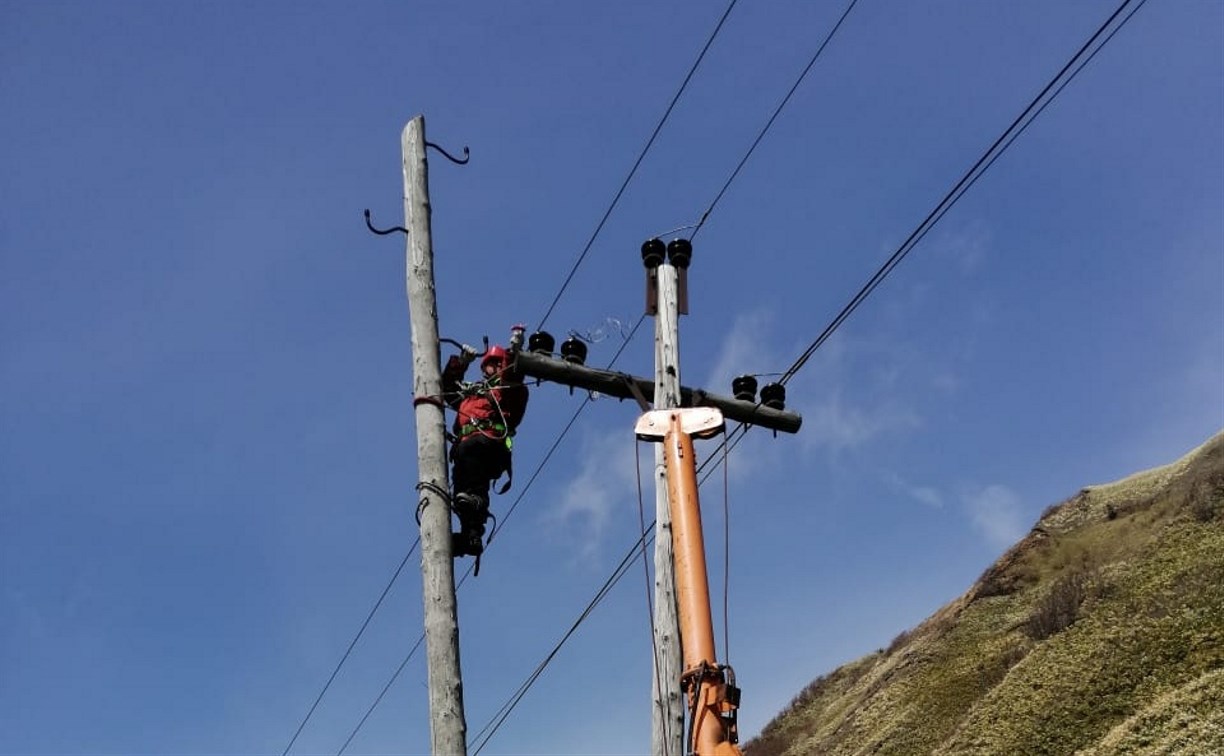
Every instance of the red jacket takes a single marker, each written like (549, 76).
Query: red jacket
(494, 407)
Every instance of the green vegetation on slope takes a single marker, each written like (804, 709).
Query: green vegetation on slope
(1101, 632)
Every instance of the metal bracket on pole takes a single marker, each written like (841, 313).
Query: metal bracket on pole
(467, 154)
(636, 391)
(385, 231)
(699, 422)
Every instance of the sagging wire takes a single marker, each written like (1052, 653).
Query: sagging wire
(499, 718)
(975, 172)
(381, 693)
(632, 171)
(988, 158)
(351, 645)
(768, 124)
(608, 327)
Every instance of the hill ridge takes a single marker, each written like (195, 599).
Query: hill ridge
(1101, 631)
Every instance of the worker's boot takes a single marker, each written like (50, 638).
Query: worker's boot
(473, 510)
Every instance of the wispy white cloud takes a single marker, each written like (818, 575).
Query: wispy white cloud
(841, 414)
(966, 245)
(946, 381)
(834, 424)
(928, 495)
(996, 511)
(743, 350)
(605, 483)
(838, 415)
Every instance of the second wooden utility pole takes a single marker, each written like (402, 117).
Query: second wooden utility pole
(663, 300)
(447, 726)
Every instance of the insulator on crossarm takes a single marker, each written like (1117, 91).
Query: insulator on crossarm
(773, 396)
(680, 252)
(573, 350)
(541, 342)
(652, 253)
(744, 388)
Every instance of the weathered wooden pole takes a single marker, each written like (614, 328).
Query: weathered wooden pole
(667, 730)
(447, 726)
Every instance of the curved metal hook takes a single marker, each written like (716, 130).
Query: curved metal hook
(459, 345)
(384, 232)
(466, 154)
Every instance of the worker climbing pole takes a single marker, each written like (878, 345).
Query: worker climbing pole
(487, 415)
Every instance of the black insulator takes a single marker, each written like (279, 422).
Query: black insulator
(573, 350)
(652, 253)
(541, 342)
(744, 388)
(773, 396)
(680, 252)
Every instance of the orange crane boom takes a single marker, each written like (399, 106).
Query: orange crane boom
(709, 686)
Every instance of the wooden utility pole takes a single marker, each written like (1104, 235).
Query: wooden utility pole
(667, 730)
(447, 726)
(667, 298)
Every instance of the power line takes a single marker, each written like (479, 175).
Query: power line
(988, 159)
(971, 176)
(381, 693)
(607, 213)
(349, 650)
(500, 716)
(1055, 87)
(774, 117)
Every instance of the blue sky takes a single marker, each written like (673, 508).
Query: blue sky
(207, 454)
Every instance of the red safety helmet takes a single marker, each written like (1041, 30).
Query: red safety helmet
(494, 354)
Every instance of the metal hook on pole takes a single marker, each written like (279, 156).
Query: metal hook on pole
(466, 154)
(383, 232)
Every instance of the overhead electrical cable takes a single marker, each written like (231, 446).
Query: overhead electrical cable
(658, 127)
(987, 159)
(499, 718)
(1055, 87)
(353, 643)
(778, 110)
(381, 693)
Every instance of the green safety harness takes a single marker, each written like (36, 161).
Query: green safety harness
(483, 424)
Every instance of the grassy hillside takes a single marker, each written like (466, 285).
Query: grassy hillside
(1101, 632)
